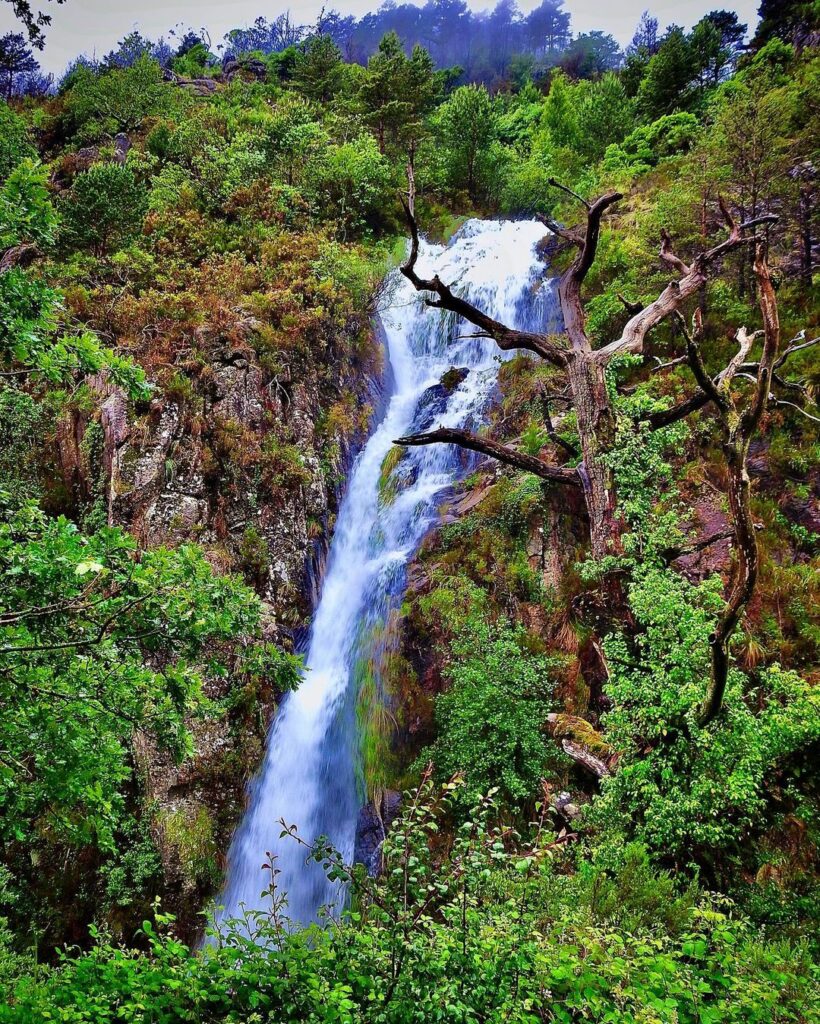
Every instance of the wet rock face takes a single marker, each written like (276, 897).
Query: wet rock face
(434, 400)
(375, 819)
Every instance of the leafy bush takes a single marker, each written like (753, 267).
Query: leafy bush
(100, 104)
(479, 933)
(490, 722)
(95, 643)
(104, 208)
(15, 145)
(349, 183)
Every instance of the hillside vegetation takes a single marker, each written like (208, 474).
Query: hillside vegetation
(602, 693)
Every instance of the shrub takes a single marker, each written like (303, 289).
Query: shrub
(15, 145)
(485, 931)
(104, 209)
(349, 183)
(490, 722)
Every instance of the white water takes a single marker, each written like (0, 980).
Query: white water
(309, 776)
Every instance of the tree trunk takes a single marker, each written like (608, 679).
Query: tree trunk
(596, 430)
(744, 574)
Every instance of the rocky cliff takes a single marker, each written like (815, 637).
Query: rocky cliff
(250, 465)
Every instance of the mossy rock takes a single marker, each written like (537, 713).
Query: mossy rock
(579, 731)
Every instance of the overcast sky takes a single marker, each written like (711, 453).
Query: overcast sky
(95, 26)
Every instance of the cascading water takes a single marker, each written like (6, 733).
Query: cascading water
(310, 775)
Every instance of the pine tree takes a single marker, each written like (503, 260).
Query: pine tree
(16, 58)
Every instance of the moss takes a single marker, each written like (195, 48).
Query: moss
(190, 834)
(580, 731)
(388, 482)
(452, 378)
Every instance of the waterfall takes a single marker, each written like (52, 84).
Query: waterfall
(310, 774)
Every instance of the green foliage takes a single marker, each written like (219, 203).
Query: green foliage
(104, 209)
(669, 74)
(26, 213)
(100, 104)
(191, 836)
(690, 794)
(486, 931)
(349, 183)
(466, 128)
(196, 62)
(31, 341)
(319, 70)
(22, 423)
(15, 143)
(397, 92)
(95, 643)
(604, 116)
(491, 720)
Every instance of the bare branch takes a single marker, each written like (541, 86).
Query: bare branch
(486, 446)
(782, 401)
(711, 389)
(677, 292)
(668, 256)
(505, 337)
(666, 417)
(738, 431)
(569, 191)
(568, 446)
(671, 554)
(790, 351)
(558, 229)
(771, 331)
(594, 765)
(569, 286)
(631, 307)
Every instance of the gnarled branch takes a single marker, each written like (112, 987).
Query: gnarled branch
(693, 276)
(496, 450)
(569, 285)
(505, 337)
(739, 427)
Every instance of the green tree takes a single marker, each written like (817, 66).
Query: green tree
(669, 75)
(97, 641)
(103, 209)
(560, 116)
(349, 183)
(16, 58)
(15, 143)
(490, 720)
(319, 70)
(605, 115)
(396, 91)
(466, 123)
(591, 54)
(119, 100)
(709, 55)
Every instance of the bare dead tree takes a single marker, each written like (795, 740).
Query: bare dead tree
(585, 368)
(739, 422)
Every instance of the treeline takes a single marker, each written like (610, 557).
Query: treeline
(497, 48)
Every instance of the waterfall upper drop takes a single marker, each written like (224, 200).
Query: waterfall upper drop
(310, 775)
